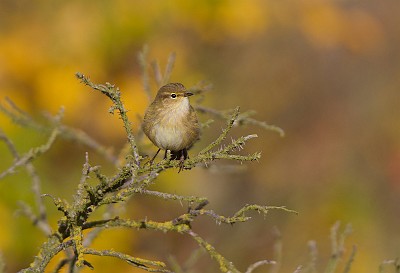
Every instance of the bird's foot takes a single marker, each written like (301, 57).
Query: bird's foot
(181, 163)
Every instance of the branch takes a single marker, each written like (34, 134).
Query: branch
(252, 267)
(39, 221)
(157, 73)
(156, 266)
(32, 154)
(261, 209)
(20, 117)
(206, 155)
(242, 119)
(114, 95)
(350, 260)
(23, 119)
(394, 262)
(142, 58)
(337, 246)
(47, 251)
(125, 193)
(224, 132)
(2, 264)
(224, 264)
(169, 67)
(312, 265)
(163, 79)
(9, 144)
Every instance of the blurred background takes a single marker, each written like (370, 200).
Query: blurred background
(327, 72)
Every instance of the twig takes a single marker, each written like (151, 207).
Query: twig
(48, 250)
(163, 79)
(142, 57)
(32, 154)
(114, 95)
(252, 267)
(60, 265)
(10, 145)
(224, 264)
(142, 224)
(242, 119)
(170, 196)
(298, 269)
(20, 117)
(23, 119)
(156, 266)
(394, 262)
(200, 88)
(82, 137)
(237, 144)
(313, 251)
(169, 67)
(224, 132)
(350, 260)
(337, 246)
(39, 221)
(277, 251)
(2, 264)
(157, 73)
(261, 209)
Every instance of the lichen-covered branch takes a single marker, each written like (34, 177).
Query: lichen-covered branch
(261, 209)
(46, 253)
(181, 224)
(114, 95)
(224, 264)
(150, 266)
(225, 132)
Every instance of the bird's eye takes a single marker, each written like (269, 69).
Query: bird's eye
(173, 95)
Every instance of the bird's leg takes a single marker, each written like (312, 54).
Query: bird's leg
(154, 157)
(184, 155)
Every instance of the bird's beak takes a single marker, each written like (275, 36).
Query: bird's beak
(188, 94)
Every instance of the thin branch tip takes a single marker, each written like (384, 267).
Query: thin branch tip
(79, 75)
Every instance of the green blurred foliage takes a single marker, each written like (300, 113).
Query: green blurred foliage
(326, 71)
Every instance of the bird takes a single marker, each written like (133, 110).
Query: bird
(171, 123)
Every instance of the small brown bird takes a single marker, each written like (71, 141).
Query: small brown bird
(170, 122)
